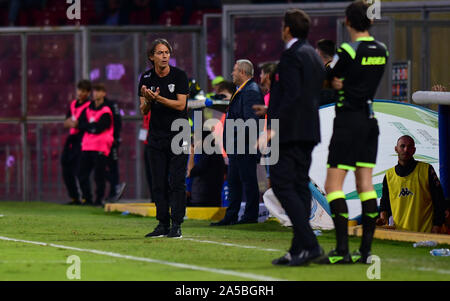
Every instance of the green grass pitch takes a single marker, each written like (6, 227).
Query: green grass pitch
(240, 252)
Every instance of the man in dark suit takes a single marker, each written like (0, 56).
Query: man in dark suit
(294, 101)
(242, 157)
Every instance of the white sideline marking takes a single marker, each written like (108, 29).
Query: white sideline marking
(232, 245)
(53, 261)
(447, 272)
(144, 259)
(423, 269)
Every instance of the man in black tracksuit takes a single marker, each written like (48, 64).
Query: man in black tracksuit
(294, 101)
(164, 90)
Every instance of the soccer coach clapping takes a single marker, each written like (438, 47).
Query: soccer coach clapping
(164, 90)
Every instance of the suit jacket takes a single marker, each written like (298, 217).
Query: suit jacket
(241, 108)
(295, 94)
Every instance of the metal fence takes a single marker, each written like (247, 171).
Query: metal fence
(416, 31)
(39, 68)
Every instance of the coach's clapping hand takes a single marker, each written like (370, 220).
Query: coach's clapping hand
(145, 93)
(143, 88)
(153, 95)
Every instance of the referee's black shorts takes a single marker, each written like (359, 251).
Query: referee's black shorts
(354, 142)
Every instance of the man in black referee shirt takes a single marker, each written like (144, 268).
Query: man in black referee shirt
(359, 65)
(164, 90)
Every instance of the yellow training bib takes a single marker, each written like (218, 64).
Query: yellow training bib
(411, 204)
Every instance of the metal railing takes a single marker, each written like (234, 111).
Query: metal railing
(86, 47)
(90, 48)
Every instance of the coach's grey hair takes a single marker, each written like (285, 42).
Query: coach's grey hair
(245, 66)
(152, 48)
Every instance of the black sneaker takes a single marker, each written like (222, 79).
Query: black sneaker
(160, 231)
(334, 258)
(175, 232)
(284, 260)
(358, 257)
(306, 256)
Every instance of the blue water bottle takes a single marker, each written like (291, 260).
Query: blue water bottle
(440, 252)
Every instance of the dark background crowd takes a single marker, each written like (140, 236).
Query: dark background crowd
(116, 12)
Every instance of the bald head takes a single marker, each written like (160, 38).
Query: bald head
(405, 149)
(406, 138)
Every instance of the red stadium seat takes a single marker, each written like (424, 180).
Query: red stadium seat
(45, 18)
(60, 71)
(88, 17)
(25, 18)
(57, 47)
(10, 48)
(4, 17)
(196, 17)
(58, 4)
(141, 17)
(10, 101)
(170, 18)
(37, 96)
(213, 46)
(63, 94)
(36, 71)
(10, 71)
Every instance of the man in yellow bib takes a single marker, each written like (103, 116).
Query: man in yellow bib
(412, 193)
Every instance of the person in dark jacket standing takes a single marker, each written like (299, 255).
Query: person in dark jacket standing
(294, 101)
(242, 162)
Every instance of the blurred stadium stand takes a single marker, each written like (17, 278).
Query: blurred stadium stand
(101, 12)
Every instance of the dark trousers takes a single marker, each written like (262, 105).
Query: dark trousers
(70, 162)
(91, 160)
(242, 182)
(168, 173)
(148, 174)
(289, 178)
(112, 172)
